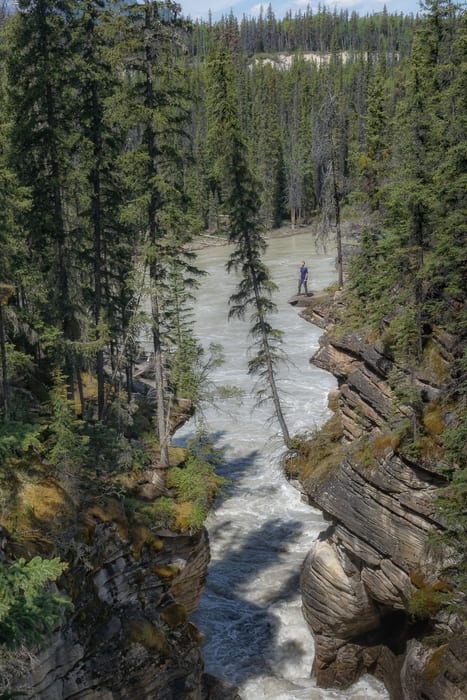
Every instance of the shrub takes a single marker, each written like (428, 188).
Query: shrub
(319, 455)
(28, 611)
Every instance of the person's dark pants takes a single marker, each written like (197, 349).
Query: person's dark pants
(300, 287)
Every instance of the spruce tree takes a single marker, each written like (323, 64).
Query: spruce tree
(97, 155)
(156, 113)
(330, 158)
(242, 204)
(41, 103)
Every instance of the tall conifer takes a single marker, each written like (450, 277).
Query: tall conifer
(41, 106)
(156, 117)
(255, 288)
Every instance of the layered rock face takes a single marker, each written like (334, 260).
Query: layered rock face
(129, 634)
(364, 574)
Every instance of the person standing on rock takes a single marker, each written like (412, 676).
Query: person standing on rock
(303, 278)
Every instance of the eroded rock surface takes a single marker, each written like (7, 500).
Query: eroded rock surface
(129, 635)
(376, 557)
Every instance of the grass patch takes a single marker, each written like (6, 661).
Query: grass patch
(429, 597)
(437, 664)
(193, 484)
(432, 364)
(317, 457)
(388, 442)
(151, 637)
(433, 418)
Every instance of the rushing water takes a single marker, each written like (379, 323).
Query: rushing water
(250, 614)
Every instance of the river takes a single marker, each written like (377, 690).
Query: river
(250, 614)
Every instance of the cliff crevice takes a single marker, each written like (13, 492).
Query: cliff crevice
(372, 585)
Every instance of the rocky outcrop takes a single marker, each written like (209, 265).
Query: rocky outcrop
(134, 577)
(371, 585)
(128, 636)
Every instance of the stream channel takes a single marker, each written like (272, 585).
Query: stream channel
(250, 614)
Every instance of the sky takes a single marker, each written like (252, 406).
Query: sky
(200, 8)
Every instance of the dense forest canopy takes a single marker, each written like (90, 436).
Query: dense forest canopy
(111, 161)
(320, 30)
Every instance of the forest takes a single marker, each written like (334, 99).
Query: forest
(128, 131)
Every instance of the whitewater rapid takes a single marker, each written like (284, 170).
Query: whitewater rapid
(250, 614)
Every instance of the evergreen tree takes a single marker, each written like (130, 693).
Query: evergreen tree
(266, 146)
(219, 116)
(330, 159)
(446, 261)
(374, 158)
(157, 113)
(28, 610)
(97, 154)
(255, 288)
(13, 203)
(297, 98)
(41, 104)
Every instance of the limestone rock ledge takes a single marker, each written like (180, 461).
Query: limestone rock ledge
(363, 572)
(129, 635)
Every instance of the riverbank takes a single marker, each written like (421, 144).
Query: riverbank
(208, 240)
(350, 230)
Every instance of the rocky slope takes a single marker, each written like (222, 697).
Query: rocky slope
(373, 583)
(132, 583)
(128, 634)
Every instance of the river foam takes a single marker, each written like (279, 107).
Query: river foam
(250, 614)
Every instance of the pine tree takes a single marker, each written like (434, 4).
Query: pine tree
(330, 158)
(13, 202)
(266, 146)
(97, 154)
(156, 113)
(446, 260)
(28, 611)
(66, 443)
(255, 289)
(41, 69)
(374, 159)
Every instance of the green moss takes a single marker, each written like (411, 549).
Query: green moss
(145, 515)
(110, 510)
(159, 514)
(429, 597)
(317, 457)
(32, 503)
(151, 637)
(437, 664)
(432, 364)
(141, 536)
(167, 572)
(190, 516)
(174, 615)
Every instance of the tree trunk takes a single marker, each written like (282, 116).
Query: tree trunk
(269, 363)
(5, 387)
(337, 210)
(276, 399)
(159, 379)
(97, 226)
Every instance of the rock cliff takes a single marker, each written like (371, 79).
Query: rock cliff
(128, 635)
(372, 585)
(132, 585)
